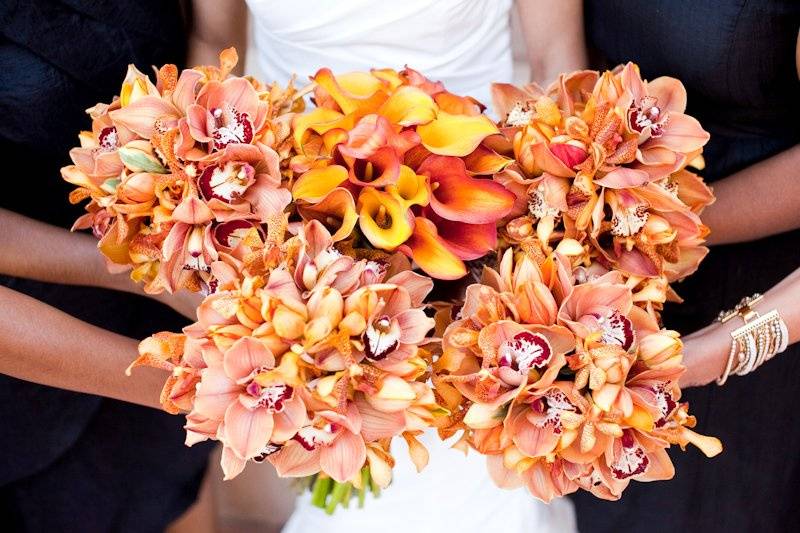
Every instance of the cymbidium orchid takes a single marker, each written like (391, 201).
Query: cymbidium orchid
(562, 381)
(601, 159)
(174, 169)
(390, 154)
(314, 365)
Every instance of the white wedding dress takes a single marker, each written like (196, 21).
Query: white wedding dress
(467, 45)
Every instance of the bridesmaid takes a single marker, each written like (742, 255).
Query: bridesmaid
(739, 62)
(71, 461)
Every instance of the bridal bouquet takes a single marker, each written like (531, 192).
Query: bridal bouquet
(176, 172)
(313, 350)
(563, 384)
(556, 367)
(602, 159)
(313, 365)
(389, 161)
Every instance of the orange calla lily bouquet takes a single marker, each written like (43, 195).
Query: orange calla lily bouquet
(311, 349)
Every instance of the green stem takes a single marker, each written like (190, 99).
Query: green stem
(362, 492)
(347, 496)
(376, 490)
(322, 487)
(339, 490)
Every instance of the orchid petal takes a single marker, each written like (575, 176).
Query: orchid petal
(142, 115)
(414, 325)
(344, 457)
(247, 431)
(669, 92)
(295, 461)
(682, 134)
(193, 211)
(376, 425)
(623, 178)
(231, 464)
(246, 355)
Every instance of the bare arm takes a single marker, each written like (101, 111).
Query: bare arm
(39, 251)
(553, 31)
(759, 201)
(216, 25)
(41, 344)
(706, 351)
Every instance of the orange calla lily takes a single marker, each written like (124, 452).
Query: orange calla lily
(430, 253)
(337, 211)
(315, 184)
(457, 196)
(455, 135)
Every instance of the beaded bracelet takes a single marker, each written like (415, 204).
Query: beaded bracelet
(758, 340)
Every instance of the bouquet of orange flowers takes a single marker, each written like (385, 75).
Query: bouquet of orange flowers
(176, 172)
(602, 160)
(311, 349)
(313, 365)
(392, 161)
(557, 368)
(563, 385)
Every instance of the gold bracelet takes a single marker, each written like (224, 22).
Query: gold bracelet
(756, 341)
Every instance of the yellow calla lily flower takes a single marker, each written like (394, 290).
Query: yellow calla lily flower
(315, 184)
(385, 222)
(456, 135)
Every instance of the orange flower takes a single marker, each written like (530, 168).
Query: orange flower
(391, 143)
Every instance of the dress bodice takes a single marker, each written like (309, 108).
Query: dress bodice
(465, 43)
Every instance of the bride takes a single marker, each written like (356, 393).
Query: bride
(466, 44)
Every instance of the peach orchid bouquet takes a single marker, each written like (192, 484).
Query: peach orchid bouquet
(603, 161)
(314, 364)
(312, 349)
(177, 171)
(556, 366)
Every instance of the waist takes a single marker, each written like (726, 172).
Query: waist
(729, 273)
(467, 67)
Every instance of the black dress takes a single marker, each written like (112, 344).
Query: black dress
(737, 61)
(69, 461)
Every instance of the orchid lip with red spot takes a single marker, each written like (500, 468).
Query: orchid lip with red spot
(550, 406)
(379, 339)
(665, 402)
(231, 127)
(268, 450)
(647, 115)
(632, 460)
(226, 183)
(271, 397)
(108, 139)
(230, 233)
(310, 437)
(527, 350)
(617, 329)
